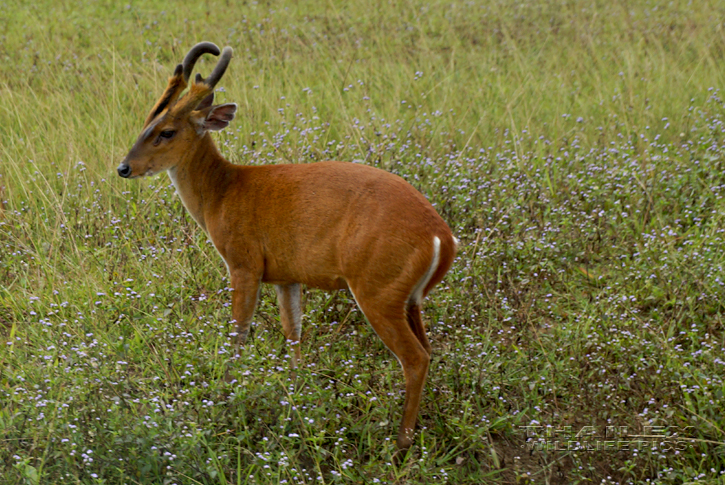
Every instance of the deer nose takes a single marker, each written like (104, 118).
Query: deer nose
(124, 170)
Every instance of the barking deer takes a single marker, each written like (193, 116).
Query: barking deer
(329, 225)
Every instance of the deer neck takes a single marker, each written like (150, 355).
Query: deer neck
(200, 179)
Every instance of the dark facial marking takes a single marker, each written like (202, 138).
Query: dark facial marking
(171, 91)
(150, 130)
(162, 106)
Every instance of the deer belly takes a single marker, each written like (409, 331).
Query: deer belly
(322, 282)
(326, 283)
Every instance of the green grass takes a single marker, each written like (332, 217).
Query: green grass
(575, 148)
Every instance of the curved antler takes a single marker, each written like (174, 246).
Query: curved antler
(201, 88)
(220, 69)
(194, 54)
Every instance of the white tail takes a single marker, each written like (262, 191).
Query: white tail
(329, 225)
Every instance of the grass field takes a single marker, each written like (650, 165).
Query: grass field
(575, 148)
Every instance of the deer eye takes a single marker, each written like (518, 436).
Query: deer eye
(166, 134)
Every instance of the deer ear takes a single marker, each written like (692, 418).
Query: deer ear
(219, 116)
(215, 118)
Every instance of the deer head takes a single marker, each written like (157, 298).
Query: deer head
(175, 125)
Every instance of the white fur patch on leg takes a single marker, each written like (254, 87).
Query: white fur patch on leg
(416, 295)
(296, 311)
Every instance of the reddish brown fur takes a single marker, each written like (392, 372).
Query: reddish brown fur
(327, 225)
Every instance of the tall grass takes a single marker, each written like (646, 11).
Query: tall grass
(576, 149)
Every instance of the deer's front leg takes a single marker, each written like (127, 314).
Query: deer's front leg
(245, 293)
(290, 314)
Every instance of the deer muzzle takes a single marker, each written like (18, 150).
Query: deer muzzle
(124, 170)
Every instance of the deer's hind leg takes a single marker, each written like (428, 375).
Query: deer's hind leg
(415, 321)
(390, 322)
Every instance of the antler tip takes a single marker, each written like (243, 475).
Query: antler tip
(197, 51)
(207, 48)
(220, 68)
